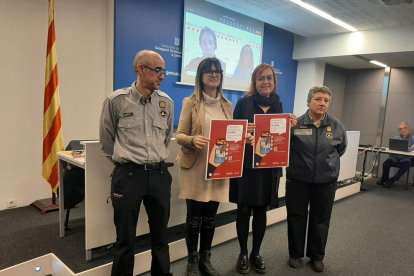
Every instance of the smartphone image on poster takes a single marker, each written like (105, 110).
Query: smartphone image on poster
(220, 154)
(265, 143)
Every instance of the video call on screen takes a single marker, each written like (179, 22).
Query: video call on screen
(212, 31)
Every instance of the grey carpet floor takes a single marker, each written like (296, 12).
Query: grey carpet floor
(372, 233)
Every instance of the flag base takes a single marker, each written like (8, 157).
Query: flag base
(46, 205)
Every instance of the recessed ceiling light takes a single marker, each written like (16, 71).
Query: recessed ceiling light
(324, 15)
(379, 63)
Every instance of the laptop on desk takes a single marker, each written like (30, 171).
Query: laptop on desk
(400, 145)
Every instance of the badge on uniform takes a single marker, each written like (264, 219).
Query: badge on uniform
(329, 135)
(329, 129)
(302, 132)
(163, 112)
(162, 104)
(129, 114)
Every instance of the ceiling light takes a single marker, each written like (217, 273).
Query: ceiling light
(324, 15)
(379, 63)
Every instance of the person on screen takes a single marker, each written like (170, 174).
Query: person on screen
(245, 67)
(208, 43)
(316, 144)
(202, 196)
(257, 188)
(403, 161)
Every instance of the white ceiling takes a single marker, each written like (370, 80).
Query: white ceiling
(361, 14)
(402, 59)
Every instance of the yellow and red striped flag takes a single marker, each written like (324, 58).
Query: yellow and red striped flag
(52, 121)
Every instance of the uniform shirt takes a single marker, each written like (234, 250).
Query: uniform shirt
(132, 130)
(315, 151)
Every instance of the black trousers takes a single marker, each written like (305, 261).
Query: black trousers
(201, 219)
(404, 163)
(130, 186)
(320, 197)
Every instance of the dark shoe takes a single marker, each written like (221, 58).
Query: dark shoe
(192, 265)
(381, 182)
(389, 183)
(294, 263)
(243, 264)
(258, 264)
(318, 266)
(205, 266)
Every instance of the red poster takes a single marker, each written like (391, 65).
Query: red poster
(271, 140)
(226, 149)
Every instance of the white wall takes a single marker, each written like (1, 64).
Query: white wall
(84, 38)
(310, 73)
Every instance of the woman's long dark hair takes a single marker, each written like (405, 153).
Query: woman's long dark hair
(204, 65)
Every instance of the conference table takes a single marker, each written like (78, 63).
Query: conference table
(380, 150)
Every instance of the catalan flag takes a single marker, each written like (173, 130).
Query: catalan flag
(52, 121)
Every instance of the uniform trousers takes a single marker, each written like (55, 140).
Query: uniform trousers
(131, 185)
(320, 199)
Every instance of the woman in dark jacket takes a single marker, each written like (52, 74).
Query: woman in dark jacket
(258, 188)
(316, 145)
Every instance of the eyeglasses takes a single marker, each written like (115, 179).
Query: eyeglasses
(262, 79)
(211, 72)
(158, 71)
(402, 128)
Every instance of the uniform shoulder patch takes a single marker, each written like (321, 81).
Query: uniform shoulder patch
(162, 94)
(116, 93)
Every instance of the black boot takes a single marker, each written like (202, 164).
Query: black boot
(205, 266)
(192, 265)
(192, 229)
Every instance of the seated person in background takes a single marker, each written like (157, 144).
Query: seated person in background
(245, 67)
(208, 44)
(403, 161)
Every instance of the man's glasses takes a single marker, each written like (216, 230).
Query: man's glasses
(263, 79)
(158, 71)
(402, 128)
(211, 72)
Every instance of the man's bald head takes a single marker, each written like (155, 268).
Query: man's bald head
(144, 57)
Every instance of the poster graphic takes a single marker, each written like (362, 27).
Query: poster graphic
(225, 153)
(271, 141)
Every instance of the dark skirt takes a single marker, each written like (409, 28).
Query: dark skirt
(257, 187)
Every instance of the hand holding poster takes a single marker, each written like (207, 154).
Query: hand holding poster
(225, 152)
(271, 141)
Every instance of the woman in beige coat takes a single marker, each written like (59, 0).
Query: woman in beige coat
(202, 196)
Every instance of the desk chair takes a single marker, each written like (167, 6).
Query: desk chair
(408, 173)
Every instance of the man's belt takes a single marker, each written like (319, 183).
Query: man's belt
(154, 166)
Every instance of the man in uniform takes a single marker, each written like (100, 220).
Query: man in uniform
(135, 129)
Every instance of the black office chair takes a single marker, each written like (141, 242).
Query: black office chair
(408, 173)
(74, 179)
